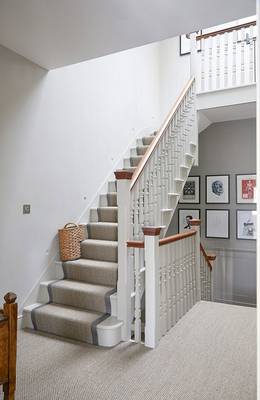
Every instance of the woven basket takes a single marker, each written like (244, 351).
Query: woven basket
(69, 238)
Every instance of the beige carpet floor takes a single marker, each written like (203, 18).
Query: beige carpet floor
(209, 355)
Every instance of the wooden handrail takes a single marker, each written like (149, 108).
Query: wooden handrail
(207, 257)
(176, 238)
(159, 135)
(139, 244)
(222, 31)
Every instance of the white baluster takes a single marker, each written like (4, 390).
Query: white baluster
(251, 55)
(202, 57)
(217, 61)
(242, 70)
(210, 52)
(226, 60)
(137, 296)
(234, 63)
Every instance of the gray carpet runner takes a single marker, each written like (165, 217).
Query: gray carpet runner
(81, 300)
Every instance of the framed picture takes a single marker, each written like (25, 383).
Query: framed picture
(217, 189)
(217, 224)
(246, 188)
(185, 43)
(185, 216)
(191, 190)
(246, 224)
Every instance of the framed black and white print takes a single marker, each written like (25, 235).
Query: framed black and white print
(217, 224)
(191, 190)
(185, 45)
(246, 189)
(246, 224)
(185, 216)
(217, 189)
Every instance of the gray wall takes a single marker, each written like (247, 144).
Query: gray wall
(228, 148)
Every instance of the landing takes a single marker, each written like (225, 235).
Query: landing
(210, 354)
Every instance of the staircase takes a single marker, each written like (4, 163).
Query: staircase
(83, 305)
(99, 299)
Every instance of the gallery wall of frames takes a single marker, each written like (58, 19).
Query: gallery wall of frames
(217, 191)
(221, 192)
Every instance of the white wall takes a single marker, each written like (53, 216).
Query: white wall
(174, 73)
(61, 134)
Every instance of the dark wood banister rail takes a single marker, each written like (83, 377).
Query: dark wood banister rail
(222, 31)
(159, 135)
(170, 239)
(208, 257)
(176, 238)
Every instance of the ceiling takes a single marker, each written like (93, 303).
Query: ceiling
(230, 113)
(55, 33)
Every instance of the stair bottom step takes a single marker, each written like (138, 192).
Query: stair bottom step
(73, 323)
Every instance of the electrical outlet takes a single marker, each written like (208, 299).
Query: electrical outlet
(27, 209)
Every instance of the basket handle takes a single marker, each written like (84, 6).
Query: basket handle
(70, 225)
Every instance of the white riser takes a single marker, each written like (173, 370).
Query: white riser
(108, 331)
(127, 163)
(93, 215)
(111, 187)
(103, 200)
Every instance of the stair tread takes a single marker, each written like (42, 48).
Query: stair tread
(92, 271)
(84, 295)
(70, 312)
(106, 208)
(99, 242)
(141, 150)
(103, 223)
(82, 286)
(131, 169)
(147, 140)
(105, 250)
(86, 262)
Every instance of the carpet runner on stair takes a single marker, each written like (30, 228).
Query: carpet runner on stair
(81, 301)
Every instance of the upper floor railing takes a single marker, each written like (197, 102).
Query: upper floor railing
(226, 58)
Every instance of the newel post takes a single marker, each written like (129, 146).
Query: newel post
(10, 311)
(124, 276)
(152, 286)
(195, 223)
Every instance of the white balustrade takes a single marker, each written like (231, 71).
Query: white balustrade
(172, 281)
(227, 58)
(156, 176)
(149, 198)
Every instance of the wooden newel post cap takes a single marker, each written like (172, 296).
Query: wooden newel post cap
(195, 222)
(10, 298)
(152, 231)
(123, 174)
